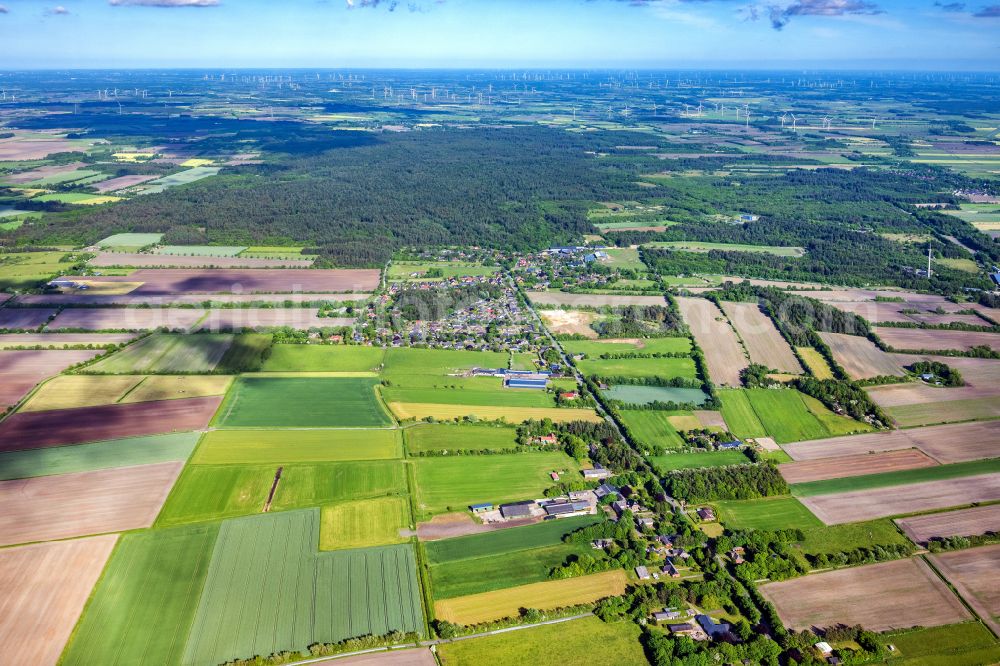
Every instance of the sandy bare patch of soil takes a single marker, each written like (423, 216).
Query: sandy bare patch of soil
(858, 505)
(448, 525)
(45, 587)
(710, 419)
(762, 339)
(126, 319)
(857, 465)
(860, 357)
(716, 337)
(176, 261)
(45, 508)
(945, 443)
(570, 322)
(964, 522)
(973, 573)
(591, 300)
(889, 595)
(934, 339)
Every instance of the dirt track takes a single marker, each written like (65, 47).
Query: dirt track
(889, 595)
(71, 505)
(857, 465)
(964, 522)
(858, 505)
(45, 587)
(38, 430)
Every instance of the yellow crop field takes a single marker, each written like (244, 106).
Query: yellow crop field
(97, 199)
(374, 522)
(816, 363)
(197, 162)
(133, 157)
(420, 410)
(167, 387)
(488, 606)
(70, 391)
(110, 288)
(683, 422)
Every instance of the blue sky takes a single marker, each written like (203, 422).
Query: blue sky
(500, 33)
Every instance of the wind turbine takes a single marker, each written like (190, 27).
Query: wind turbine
(794, 120)
(784, 117)
(873, 122)
(119, 108)
(746, 112)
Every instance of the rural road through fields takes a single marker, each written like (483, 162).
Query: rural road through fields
(439, 641)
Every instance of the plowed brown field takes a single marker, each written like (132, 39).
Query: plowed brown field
(857, 465)
(964, 522)
(723, 352)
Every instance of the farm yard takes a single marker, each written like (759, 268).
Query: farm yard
(46, 586)
(714, 334)
(890, 595)
(964, 522)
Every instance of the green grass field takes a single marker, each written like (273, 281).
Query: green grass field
(142, 608)
(585, 641)
(785, 416)
(770, 513)
(698, 246)
(99, 455)
(739, 414)
(652, 428)
(246, 354)
(374, 522)
(595, 348)
(644, 395)
(666, 368)
(689, 460)
(268, 589)
(840, 538)
(919, 475)
(163, 352)
(323, 358)
(815, 362)
(412, 361)
(440, 437)
(513, 539)
(500, 397)
(202, 250)
(305, 402)
(179, 178)
(24, 270)
(453, 483)
(260, 447)
(968, 644)
(211, 492)
(130, 240)
(405, 270)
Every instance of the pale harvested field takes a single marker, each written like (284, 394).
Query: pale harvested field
(62, 339)
(18, 148)
(861, 505)
(859, 295)
(935, 339)
(24, 318)
(945, 443)
(954, 411)
(71, 391)
(43, 172)
(710, 419)
(762, 339)
(860, 357)
(170, 387)
(126, 319)
(121, 182)
(856, 465)
(230, 319)
(964, 522)
(177, 261)
(20, 370)
(873, 311)
(889, 595)
(476, 608)
(45, 508)
(591, 300)
(405, 410)
(723, 352)
(570, 322)
(85, 298)
(973, 573)
(881, 311)
(45, 587)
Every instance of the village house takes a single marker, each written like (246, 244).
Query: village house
(666, 615)
(716, 630)
(601, 544)
(736, 555)
(670, 570)
(706, 513)
(642, 572)
(597, 473)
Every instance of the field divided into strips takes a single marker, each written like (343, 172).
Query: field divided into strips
(503, 558)
(588, 640)
(964, 522)
(261, 447)
(162, 352)
(739, 414)
(141, 610)
(210, 492)
(415, 410)
(45, 587)
(99, 455)
(487, 606)
(375, 522)
(446, 483)
(860, 358)
(889, 595)
(268, 589)
(422, 438)
(74, 391)
(762, 339)
(323, 358)
(314, 402)
(652, 428)
(724, 354)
